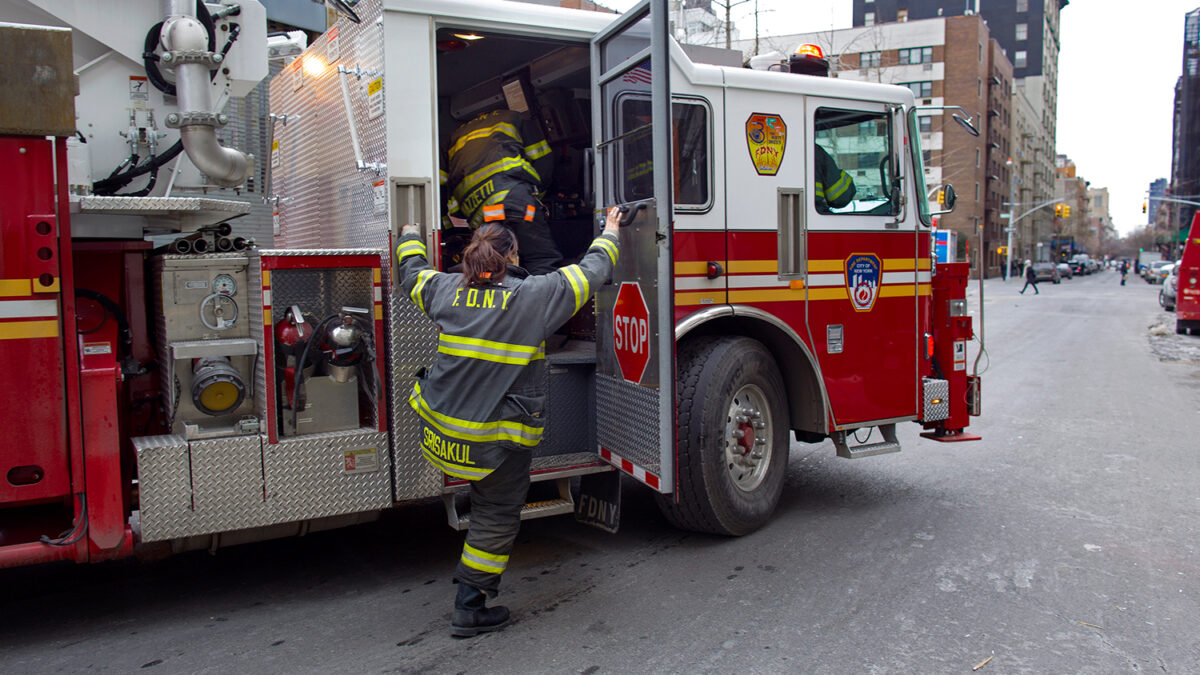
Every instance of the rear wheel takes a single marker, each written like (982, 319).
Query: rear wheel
(1180, 327)
(732, 437)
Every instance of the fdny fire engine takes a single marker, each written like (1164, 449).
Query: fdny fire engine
(189, 389)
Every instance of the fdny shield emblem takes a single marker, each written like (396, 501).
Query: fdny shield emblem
(862, 280)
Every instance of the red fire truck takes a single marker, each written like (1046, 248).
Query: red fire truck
(1187, 286)
(193, 391)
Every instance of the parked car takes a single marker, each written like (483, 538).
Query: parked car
(1092, 266)
(1166, 296)
(1150, 272)
(1065, 271)
(1165, 271)
(1046, 271)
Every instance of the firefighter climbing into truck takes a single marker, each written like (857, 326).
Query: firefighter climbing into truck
(220, 350)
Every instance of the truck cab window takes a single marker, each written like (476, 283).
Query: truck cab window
(690, 145)
(854, 160)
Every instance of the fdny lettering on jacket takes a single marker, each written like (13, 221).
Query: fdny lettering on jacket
(481, 298)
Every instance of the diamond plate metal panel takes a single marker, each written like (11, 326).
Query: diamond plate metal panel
(324, 199)
(939, 390)
(321, 292)
(164, 485)
(306, 477)
(414, 346)
(634, 409)
(570, 426)
(201, 487)
(256, 317)
(140, 206)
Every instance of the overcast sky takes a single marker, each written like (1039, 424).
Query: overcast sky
(1116, 85)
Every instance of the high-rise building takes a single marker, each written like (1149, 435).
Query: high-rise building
(1028, 32)
(944, 61)
(1158, 188)
(1185, 165)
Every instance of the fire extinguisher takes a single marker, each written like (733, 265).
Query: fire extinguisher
(292, 334)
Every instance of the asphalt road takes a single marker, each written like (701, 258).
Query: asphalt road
(1065, 542)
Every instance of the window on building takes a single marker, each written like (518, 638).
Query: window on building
(902, 15)
(927, 155)
(981, 52)
(689, 120)
(1022, 5)
(1020, 58)
(977, 192)
(871, 59)
(920, 89)
(851, 146)
(925, 122)
(979, 87)
(1022, 31)
(977, 158)
(869, 19)
(916, 55)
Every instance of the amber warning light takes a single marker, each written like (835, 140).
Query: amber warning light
(809, 60)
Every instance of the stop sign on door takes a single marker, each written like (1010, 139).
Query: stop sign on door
(631, 331)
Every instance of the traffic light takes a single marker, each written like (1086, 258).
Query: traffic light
(1001, 250)
(1143, 207)
(941, 197)
(1058, 210)
(1066, 211)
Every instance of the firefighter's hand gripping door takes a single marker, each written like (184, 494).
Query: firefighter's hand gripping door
(635, 371)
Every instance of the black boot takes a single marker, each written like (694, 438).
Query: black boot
(471, 617)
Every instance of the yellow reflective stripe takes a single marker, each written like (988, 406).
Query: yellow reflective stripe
(579, 284)
(839, 188)
(503, 128)
(474, 179)
(456, 470)
(484, 562)
(489, 350)
(608, 247)
(484, 555)
(452, 206)
(443, 177)
(408, 249)
(496, 198)
(537, 150)
(466, 430)
(423, 277)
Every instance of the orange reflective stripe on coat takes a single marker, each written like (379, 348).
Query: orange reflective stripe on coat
(493, 212)
(529, 211)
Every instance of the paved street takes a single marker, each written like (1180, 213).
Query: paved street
(1065, 542)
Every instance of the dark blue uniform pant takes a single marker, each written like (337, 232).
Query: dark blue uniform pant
(496, 502)
(538, 252)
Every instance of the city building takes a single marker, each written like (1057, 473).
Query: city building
(1071, 228)
(1158, 188)
(1185, 153)
(696, 22)
(1028, 32)
(1099, 222)
(1034, 182)
(944, 61)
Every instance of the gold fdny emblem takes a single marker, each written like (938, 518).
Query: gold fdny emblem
(766, 137)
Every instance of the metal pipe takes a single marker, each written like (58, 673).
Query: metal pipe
(184, 33)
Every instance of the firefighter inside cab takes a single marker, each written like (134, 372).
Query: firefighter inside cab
(833, 187)
(481, 404)
(498, 164)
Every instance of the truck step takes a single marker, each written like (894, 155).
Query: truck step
(540, 509)
(887, 445)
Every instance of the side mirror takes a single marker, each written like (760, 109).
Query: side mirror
(949, 199)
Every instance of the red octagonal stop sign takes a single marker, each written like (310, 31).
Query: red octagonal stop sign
(631, 331)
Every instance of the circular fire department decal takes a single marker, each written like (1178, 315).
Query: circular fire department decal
(862, 280)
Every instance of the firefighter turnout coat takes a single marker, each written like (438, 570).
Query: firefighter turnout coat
(484, 396)
(490, 156)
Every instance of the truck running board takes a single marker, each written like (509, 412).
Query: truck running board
(539, 509)
(888, 444)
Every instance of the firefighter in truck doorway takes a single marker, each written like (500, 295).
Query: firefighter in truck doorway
(834, 187)
(498, 164)
(481, 403)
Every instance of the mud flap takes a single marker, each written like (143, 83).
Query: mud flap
(599, 503)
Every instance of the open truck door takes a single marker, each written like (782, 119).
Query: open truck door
(635, 364)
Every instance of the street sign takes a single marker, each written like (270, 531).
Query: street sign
(631, 331)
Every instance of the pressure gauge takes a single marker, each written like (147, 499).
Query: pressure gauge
(224, 284)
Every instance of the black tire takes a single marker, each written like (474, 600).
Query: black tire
(711, 370)
(1161, 301)
(1180, 327)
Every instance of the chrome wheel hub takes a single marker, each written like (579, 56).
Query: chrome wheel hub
(748, 438)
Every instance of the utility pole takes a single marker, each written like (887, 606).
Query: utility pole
(1012, 190)
(728, 6)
